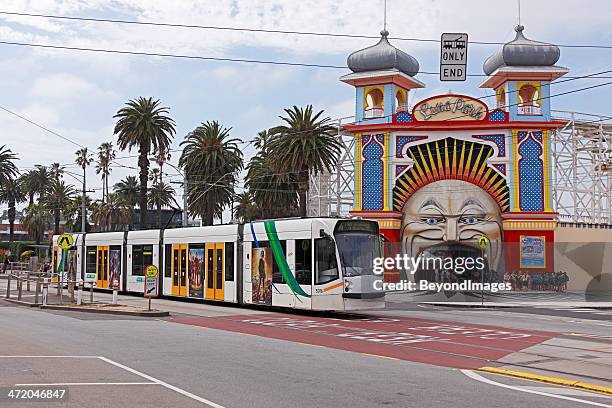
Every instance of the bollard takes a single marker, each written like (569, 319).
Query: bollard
(91, 292)
(79, 300)
(28, 282)
(115, 291)
(37, 290)
(8, 287)
(19, 288)
(45, 292)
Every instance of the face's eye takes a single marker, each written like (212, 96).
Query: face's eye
(470, 220)
(432, 220)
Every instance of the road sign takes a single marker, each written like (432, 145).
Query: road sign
(151, 283)
(483, 242)
(65, 241)
(453, 56)
(90, 277)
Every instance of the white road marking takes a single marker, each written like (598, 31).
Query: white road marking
(478, 377)
(48, 356)
(85, 383)
(165, 384)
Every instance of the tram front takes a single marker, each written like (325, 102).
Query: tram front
(358, 244)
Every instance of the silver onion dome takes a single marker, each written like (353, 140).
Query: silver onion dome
(382, 56)
(522, 52)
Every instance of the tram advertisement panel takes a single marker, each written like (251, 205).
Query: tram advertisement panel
(196, 275)
(114, 268)
(261, 275)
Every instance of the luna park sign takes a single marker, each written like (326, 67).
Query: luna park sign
(450, 108)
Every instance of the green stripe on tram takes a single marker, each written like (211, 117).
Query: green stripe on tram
(281, 261)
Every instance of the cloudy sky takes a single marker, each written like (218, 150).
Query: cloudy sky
(76, 93)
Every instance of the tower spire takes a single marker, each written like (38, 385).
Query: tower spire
(385, 15)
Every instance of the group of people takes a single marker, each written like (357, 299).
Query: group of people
(551, 281)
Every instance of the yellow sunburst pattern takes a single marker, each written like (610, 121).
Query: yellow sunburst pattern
(451, 159)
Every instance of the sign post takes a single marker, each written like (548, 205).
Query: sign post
(453, 56)
(151, 283)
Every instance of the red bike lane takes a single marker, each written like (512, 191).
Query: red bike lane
(439, 343)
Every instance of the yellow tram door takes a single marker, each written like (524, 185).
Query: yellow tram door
(214, 271)
(179, 270)
(102, 267)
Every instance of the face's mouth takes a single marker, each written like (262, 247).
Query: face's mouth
(450, 260)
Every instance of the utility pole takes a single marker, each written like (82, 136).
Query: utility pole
(83, 223)
(185, 200)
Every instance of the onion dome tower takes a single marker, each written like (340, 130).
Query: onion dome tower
(521, 73)
(382, 76)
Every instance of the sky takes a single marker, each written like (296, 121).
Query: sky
(77, 93)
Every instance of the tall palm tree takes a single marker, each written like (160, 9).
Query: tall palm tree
(41, 180)
(211, 161)
(83, 159)
(161, 158)
(73, 213)
(11, 194)
(272, 187)
(246, 210)
(56, 172)
(112, 214)
(36, 221)
(27, 182)
(128, 189)
(8, 169)
(106, 154)
(57, 198)
(144, 123)
(161, 195)
(305, 144)
(154, 175)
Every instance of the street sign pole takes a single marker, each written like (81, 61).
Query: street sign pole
(151, 283)
(483, 243)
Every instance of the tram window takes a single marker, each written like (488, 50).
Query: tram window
(210, 262)
(168, 261)
(326, 265)
(90, 262)
(142, 256)
(303, 261)
(229, 261)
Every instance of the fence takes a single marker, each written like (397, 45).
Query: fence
(43, 282)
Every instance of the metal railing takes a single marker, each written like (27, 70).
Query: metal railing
(43, 281)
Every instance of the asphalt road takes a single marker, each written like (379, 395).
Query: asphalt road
(136, 362)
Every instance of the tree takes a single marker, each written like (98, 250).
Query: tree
(56, 172)
(106, 154)
(145, 124)
(305, 144)
(162, 157)
(11, 194)
(29, 185)
(154, 175)
(272, 188)
(127, 190)
(111, 214)
(246, 210)
(161, 195)
(36, 221)
(73, 213)
(57, 198)
(10, 191)
(211, 162)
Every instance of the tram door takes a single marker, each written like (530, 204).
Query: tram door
(214, 271)
(179, 270)
(102, 267)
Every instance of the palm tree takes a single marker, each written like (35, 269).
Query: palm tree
(304, 144)
(162, 157)
(106, 154)
(11, 194)
(57, 198)
(56, 172)
(128, 189)
(73, 213)
(41, 180)
(211, 161)
(246, 210)
(154, 175)
(161, 195)
(112, 214)
(272, 187)
(144, 123)
(36, 221)
(27, 182)
(8, 170)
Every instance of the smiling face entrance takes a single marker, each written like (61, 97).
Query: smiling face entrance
(446, 218)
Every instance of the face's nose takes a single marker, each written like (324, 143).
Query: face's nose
(451, 230)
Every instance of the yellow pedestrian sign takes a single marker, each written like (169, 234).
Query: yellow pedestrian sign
(151, 271)
(483, 242)
(65, 241)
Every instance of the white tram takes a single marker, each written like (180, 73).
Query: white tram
(306, 263)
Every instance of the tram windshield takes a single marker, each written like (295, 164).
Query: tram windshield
(358, 244)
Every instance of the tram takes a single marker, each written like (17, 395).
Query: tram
(302, 263)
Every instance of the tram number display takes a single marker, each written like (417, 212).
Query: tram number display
(357, 226)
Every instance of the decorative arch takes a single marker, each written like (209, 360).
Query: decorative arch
(451, 159)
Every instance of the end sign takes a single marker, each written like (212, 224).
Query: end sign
(453, 56)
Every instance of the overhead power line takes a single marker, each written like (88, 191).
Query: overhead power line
(205, 58)
(261, 30)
